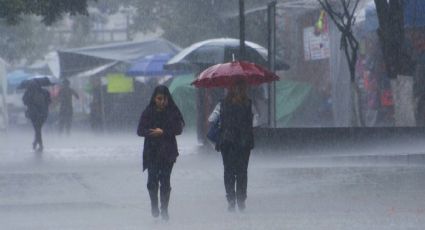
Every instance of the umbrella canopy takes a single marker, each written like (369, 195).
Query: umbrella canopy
(151, 65)
(16, 77)
(226, 74)
(214, 51)
(42, 80)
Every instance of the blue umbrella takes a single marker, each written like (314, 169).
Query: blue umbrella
(16, 77)
(151, 66)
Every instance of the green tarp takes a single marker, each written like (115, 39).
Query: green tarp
(290, 96)
(184, 96)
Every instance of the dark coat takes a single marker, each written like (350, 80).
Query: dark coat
(37, 101)
(236, 125)
(165, 146)
(65, 99)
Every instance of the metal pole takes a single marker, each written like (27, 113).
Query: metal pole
(3, 89)
(127, 26)
(102, 101)
(271, 19)
(241, 30)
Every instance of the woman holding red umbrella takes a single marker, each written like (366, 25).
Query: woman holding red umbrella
(236, 138)
(235, 143)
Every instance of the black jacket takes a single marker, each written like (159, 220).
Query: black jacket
(236, 124)
(164, 147)
(37, 101)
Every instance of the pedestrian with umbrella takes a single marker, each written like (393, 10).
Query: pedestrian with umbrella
(235, 136)
(37, 101)
(159, 124)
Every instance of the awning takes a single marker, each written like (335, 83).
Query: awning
(76, 61)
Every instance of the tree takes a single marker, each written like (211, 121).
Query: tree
(392, 38)
(29, 40)
(183, 21)
(391, 33)
(22, 37)
(50, 10)
(342, 15)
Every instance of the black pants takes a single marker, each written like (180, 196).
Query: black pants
(235, 162)
(37, 123)
(65, 121)
(159, 174)
(420, 111)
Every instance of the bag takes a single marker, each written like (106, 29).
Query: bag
(214, 131)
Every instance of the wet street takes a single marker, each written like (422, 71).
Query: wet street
(95, 182)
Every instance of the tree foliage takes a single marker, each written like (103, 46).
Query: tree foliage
(28, 40)
(50, 10)
(183, 21)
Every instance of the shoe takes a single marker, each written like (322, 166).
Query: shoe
(155, 212)
(231, 207)
(34, 145)
(241, 205)
(153, 195)
(165, 198)
(164, 214)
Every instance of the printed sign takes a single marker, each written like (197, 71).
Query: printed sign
(316, 46)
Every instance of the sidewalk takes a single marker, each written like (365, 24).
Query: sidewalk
(96, 182)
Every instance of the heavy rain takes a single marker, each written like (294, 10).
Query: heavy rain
(286, 114)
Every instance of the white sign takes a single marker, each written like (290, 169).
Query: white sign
(316, 47)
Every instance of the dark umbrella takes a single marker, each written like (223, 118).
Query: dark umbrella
(151, 66)
(220, 50)
(227, 74)
(40, 80)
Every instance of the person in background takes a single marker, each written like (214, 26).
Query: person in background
(96, 105)
(159, 124)
(37, 101)
(236, 140)
(65, 110)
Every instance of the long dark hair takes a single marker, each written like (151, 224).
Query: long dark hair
(171, 107)
(237, 93)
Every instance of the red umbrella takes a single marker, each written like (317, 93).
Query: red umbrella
(226, 74)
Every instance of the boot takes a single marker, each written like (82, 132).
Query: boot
(40, 148)
(231, 201)
(231, 205)
(154, 202)
(165, 198)
(241, 204)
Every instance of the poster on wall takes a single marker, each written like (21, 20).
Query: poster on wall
(316, 46)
